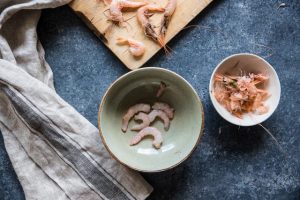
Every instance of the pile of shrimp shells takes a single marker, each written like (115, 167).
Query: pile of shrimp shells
(147, 114)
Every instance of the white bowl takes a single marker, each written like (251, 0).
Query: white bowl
(247, 63)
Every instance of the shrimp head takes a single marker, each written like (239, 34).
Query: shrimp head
(169, 10)
(116, 6)
(143, 18)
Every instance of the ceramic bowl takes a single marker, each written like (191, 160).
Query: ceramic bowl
(248, 63)
(140, 86)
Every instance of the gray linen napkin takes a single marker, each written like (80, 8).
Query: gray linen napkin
(56, 153)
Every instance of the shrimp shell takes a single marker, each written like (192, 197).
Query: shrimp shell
(164, 107)
(142, 16)
(116, 6)
(131, 112)
(239, 94)
(152, 131)
(169, 10)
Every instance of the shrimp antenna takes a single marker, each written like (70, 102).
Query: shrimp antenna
(105, 13)
(167, 49)
(275, 140)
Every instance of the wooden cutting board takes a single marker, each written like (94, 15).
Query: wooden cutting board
(94, 14)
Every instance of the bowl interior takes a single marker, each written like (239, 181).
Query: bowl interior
(248, 63)
(140, 86)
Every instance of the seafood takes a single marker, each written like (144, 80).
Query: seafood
(145, 121)
(151, 131)
(162, 115)
(132, 111)
(143, 18)
(107, 2)
(162, 88)
(116, 6)
(136, 48)
(169, 10)
(240, 94)
(164, 107)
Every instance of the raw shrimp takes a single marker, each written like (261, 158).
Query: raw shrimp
(158, 139)
(136, 48)
(162, 88)
(164, 107)
(162, 115)
(169, 10)
(116, 6)
(143, 18)
(132, 111)
(145, 121)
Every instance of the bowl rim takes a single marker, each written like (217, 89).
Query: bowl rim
(211, 88)
(200, 134)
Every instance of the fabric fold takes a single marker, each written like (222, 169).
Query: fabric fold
(56, 152)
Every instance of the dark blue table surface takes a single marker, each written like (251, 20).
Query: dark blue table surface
(238, 163)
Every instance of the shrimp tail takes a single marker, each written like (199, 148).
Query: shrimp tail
(122, 41)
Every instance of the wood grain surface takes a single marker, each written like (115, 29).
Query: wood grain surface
(94, 13)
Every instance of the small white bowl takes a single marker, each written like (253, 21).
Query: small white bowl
(247, 63)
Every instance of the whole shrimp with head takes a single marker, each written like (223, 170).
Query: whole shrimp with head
(143, 18)
(169, 10)
(136, 48)
(116, 6)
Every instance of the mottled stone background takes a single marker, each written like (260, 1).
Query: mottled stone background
(238, 163)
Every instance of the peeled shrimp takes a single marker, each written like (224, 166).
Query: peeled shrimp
(143, 18)
(169, 10)
(164, 107)
(145, 121)
(162, 88)
(162, 115)
(132, 111)
(157, 142)
(116, 6)
(136, 48)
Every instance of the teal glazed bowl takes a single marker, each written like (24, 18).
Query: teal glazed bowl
(140, 86)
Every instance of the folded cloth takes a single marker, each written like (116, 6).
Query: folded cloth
(56, 153)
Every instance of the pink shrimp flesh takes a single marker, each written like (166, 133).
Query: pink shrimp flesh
(169, 10)
(132, 111)
(145, 121)
(143, 18)
(116, 6)
(162, 115)
(136, 48)
(164, 107)
(162, 88)
(152, 131)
